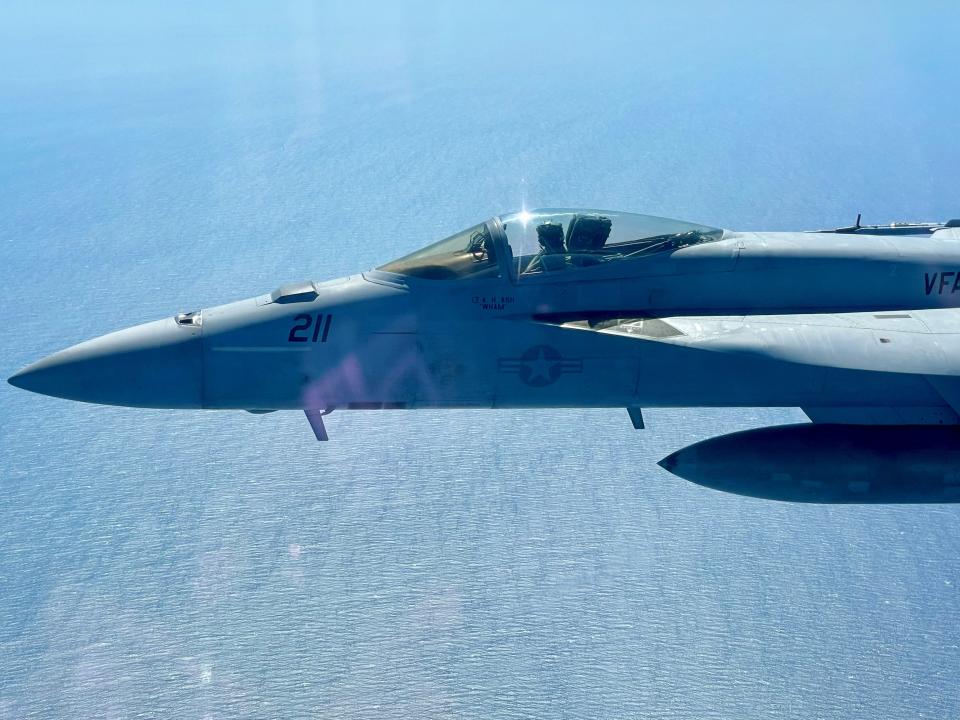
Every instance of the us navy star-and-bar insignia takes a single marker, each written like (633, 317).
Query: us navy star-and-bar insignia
(539, 366)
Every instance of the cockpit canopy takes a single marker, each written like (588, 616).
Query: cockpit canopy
(468, 254)
(539, 242)
(544, 241)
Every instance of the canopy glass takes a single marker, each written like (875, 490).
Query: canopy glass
(471, 253)
(538, 242)
(545, 241)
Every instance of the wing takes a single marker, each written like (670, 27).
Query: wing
(915, 342)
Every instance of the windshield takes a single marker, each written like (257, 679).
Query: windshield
(544, 241)
(468, 254)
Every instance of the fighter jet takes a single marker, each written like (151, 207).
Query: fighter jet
(561, 308)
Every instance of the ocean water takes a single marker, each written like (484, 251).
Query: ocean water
(488, 564)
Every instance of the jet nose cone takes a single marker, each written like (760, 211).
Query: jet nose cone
(20, 379)
(156, 364)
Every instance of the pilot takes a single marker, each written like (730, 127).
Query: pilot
(550, 237)
(586, 237)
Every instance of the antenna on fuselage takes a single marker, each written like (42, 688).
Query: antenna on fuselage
(849, 230)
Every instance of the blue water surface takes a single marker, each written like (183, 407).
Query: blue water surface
(490, 564)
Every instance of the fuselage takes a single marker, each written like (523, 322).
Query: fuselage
(532, 338)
